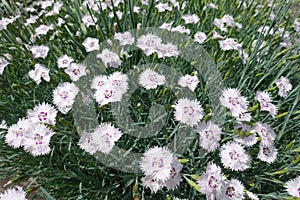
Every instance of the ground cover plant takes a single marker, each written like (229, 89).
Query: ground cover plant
(123, 99)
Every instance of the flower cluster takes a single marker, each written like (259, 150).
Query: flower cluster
(216, 186)
(109, 89)
(265, 102)
(33, 133)
(102, 139)
(161, 169)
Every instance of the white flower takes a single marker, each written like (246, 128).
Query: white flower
(232, 190)
(44, 113)
(89, 20)
(75, 71)
(167, 50)
(188, 81)
(246, 117)
(190, 19)
(107, 93)
(30, 9)
(266, 133)
(152, 183)
(284, 86)
(229, 21)
(105, 136)
(56, 7)
(200, 37)
(119, 82)
(216, 35)
(86, 143)
(166, 26)
(61, 21)
(220, 24)
(109, 58)
(46, 4)
(99, 81)
(31, 20)
(150, 79)
(181, 29)
(16, 133)
(124, 38)
(119, 14)
(229, 44)
(148, 43)
(293, 187)
(267, 153)
(234, 101)
(251, 195)
(297, 25)
(39, 71)
(265, 100)
(247, 141)
(4, 22)
(188, 111)
(175, 178)
(64, 61)
(16, 193)
(163, 7)
(43, 29)
(39, 51)
(64, 95)
(211, 181)
(210, 135)
(3, 64)
(91, 44)
(234, 156)
(157, 162)
(37, 139)
(212, 5)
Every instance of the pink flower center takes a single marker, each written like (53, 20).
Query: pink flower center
(234, 155)
(108, 94)
(116, 82)
(212, 182)
(234, 101)
(188, 110)
(76, 71)
(92, 44)
(64, 94)
(65, 62)
(230, 191)
(173, 172)
(264, 104)
(281, 86)
(152, 77)
(266, 151)
(209, 134)
(158, 162)
(43, 74)
(100, 83)
(264, 132)
(38, 139)
(107, 137)
(43, 116)
(41, 51)
(189, 81)
(19, 132)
